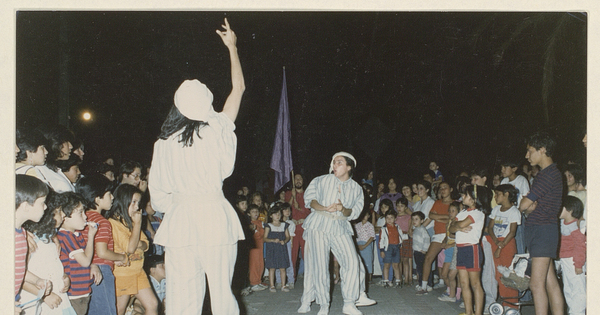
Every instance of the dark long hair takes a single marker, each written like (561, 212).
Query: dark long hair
(482, 197)
(120, 207)
(175, 122)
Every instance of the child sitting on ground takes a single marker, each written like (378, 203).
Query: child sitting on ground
(154, 265)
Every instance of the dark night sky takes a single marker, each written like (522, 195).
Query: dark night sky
(461, 88)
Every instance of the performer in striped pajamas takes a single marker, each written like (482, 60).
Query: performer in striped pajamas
(335, 199)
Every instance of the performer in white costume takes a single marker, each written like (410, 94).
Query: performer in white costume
(200, 230)
(335, 199)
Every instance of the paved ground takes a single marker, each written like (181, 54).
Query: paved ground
(389, 301)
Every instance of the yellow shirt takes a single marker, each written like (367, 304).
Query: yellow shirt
(121, 235)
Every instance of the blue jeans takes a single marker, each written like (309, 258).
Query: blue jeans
(104, 299)
(367, 256)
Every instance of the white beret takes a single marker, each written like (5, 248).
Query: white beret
(194, 100)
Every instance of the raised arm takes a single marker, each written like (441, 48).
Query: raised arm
(232, 104)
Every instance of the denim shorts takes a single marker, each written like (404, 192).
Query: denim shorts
(392, 254)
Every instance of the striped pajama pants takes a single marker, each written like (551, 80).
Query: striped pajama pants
(316, 267)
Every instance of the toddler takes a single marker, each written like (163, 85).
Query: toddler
(572, 255)
(391, 238)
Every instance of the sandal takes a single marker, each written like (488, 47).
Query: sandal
(272, 289)
(285, 289)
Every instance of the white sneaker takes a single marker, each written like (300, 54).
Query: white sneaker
(445, 298)
(429, 289)
(350, 309)
(364, 300)
(439, 285)
(258, 287)
(415, 277)
(462, 304)
(324, 310)
(304, 308)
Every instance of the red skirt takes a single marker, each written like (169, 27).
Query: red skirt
(407, 250)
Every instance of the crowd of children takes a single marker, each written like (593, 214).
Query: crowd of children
(84, 239)
(81, 238)
(471, 229)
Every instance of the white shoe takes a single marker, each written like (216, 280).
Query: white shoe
(417, 288)
(462, 304)
(429, 289)
(350, 309)
(364, 300)
(439, 285)
(324, 310)
(445, 298)
(258, 287)
(304, 308)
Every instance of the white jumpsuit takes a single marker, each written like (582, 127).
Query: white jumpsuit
(200, 228)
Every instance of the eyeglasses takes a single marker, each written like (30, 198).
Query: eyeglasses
(136, 176)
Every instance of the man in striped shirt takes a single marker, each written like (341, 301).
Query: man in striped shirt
(541, 207)
(335, 199)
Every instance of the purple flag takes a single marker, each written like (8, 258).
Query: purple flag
(281, 161)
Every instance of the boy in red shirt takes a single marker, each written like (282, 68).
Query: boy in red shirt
(390, 240)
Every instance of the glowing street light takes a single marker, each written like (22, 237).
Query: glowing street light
(87, 116)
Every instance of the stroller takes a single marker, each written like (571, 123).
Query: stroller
(516, 276)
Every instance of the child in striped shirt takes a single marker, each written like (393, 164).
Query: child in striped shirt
(30, 197)
(76, 254)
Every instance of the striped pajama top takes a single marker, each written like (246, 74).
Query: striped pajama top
(326, 190)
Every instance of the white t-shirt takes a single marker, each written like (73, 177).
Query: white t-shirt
(425, 207)
(291, 227)
(474, 235)
(380, 222)
(521, 183)
(503, 220)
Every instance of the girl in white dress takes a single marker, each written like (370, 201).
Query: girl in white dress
(45, 262)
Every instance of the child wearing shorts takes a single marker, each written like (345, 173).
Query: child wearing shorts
(468, 226)
(390, 240)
